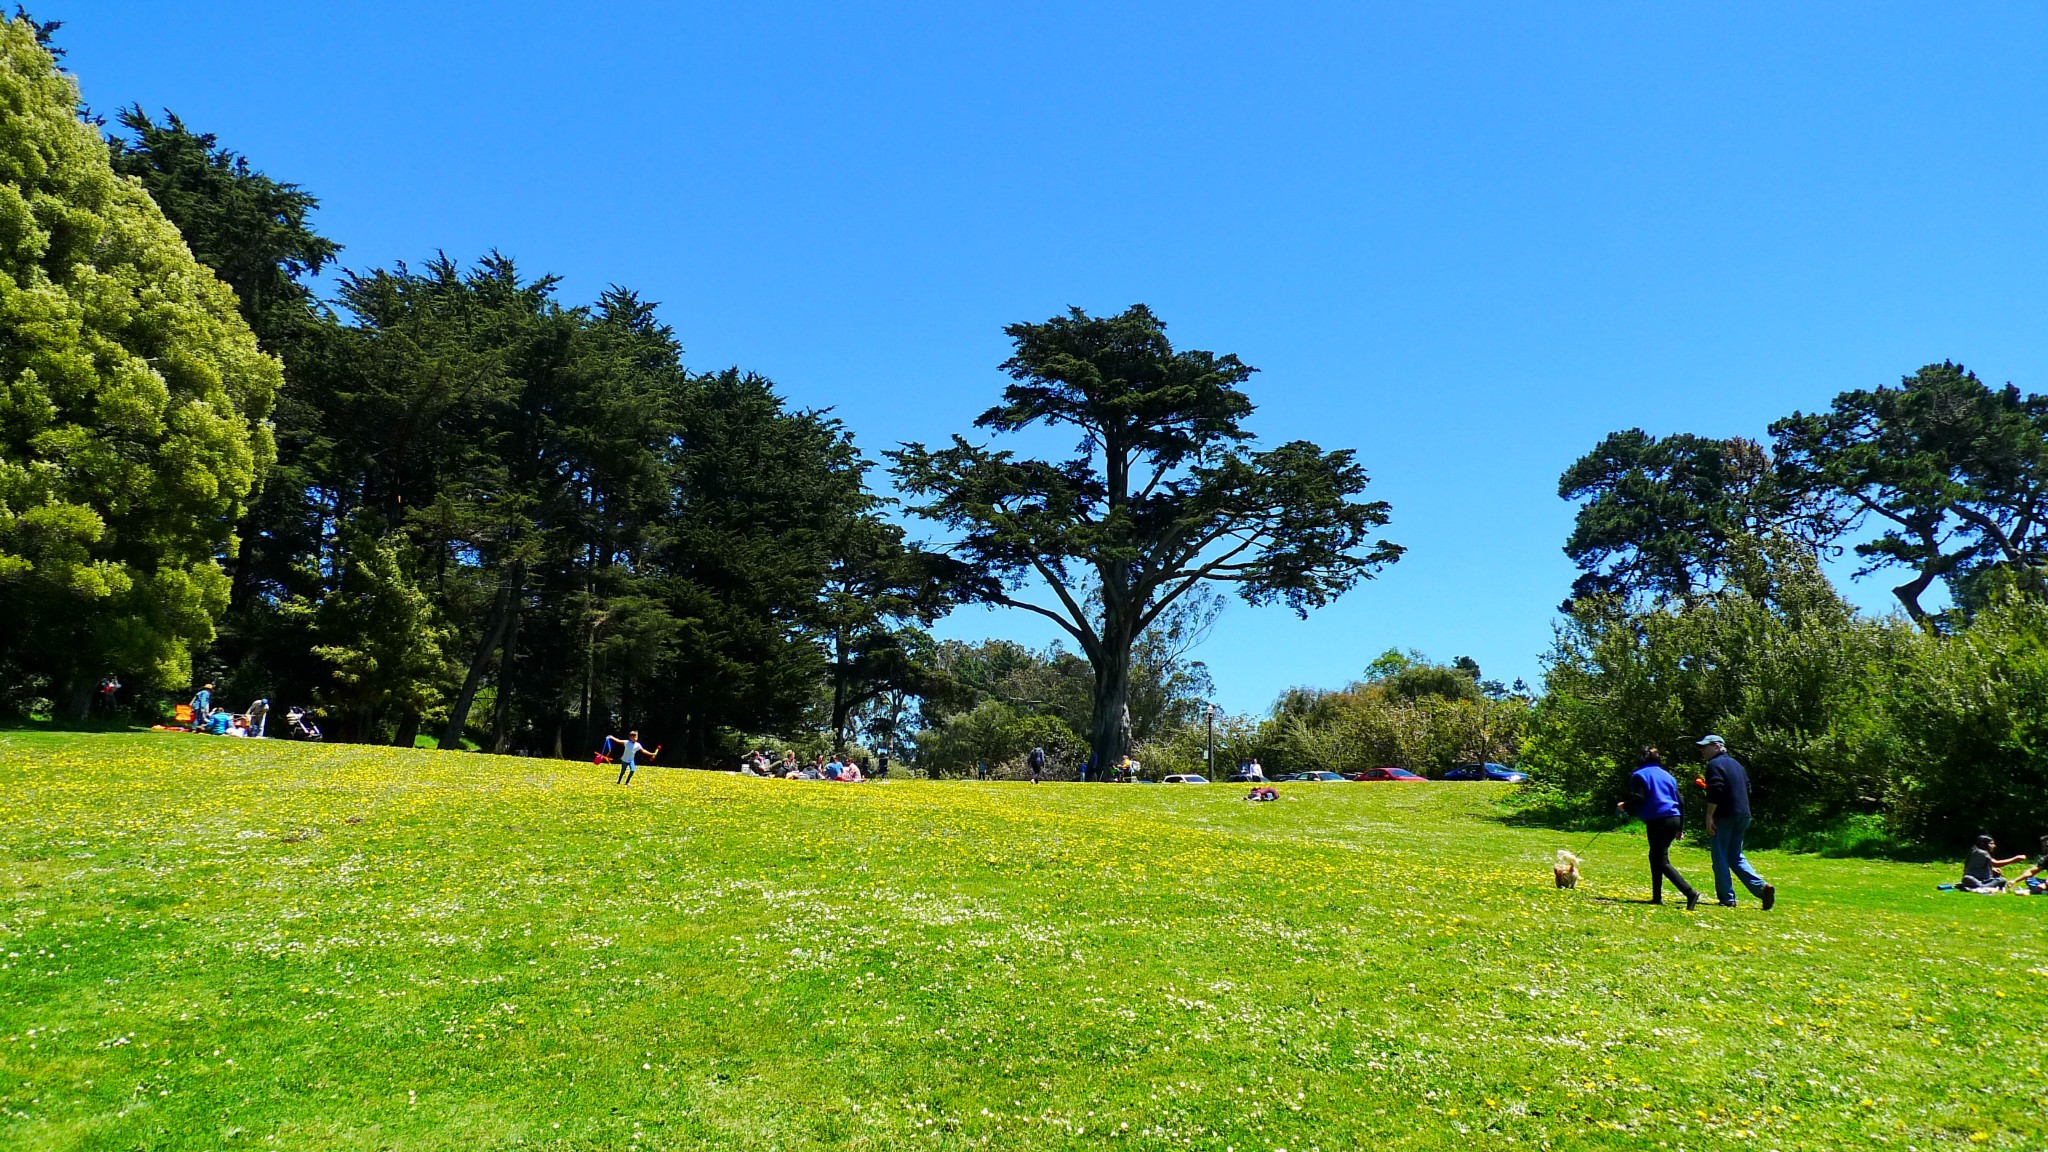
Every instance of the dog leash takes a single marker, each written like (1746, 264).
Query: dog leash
(1596, 836)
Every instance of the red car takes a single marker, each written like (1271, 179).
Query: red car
(1389, 775)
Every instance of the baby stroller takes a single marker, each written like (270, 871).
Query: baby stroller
(302, 724)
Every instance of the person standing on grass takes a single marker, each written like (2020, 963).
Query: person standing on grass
(259, 715)
(202, 707)
(1728, 822)
(629, 750)
(1653, 799)
(1037, 759)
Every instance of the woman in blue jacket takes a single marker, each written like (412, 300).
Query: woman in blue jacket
(1653, 799)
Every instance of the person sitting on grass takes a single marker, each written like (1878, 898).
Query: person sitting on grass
(850, 774)
(1980, 871)
(2034, 881)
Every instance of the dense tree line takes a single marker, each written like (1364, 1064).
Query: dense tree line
(1703, 607)
(442, 503)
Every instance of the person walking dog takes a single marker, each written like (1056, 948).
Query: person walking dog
(1727, 823)
(1653, 799)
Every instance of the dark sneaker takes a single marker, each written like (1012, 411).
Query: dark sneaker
(1769, 897)
(1692, 901)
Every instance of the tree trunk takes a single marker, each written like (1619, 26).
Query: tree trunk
(1909, 595)
(839, 705)
(504, 709)
(1110, 739)
(494, 628)
(408, 729)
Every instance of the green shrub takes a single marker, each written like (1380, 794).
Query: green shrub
(1786, 671)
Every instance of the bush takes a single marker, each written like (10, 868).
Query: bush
(1374, 724)
(995, 734)
(1862, 736)
(1967, 731)
(1785, 677)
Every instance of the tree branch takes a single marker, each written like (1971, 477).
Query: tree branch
(1205, 572)
(1086, 640)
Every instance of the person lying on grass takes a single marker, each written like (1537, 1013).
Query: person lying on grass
(1980, 872)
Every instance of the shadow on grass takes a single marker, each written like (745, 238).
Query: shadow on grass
(93, 724)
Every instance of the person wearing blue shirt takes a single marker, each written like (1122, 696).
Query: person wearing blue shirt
(1727, 822)
(1653, 799)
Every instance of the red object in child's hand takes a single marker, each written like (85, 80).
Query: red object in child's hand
(1700, 780)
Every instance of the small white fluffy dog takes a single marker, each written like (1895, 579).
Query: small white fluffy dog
(1567, 869)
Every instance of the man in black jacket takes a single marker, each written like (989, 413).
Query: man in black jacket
(1727, 822)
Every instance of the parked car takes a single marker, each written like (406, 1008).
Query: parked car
(1313, 778)
(1185, 778)
(1389, 775)
(1500, 772)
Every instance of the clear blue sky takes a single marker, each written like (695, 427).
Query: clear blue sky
(1465, 240)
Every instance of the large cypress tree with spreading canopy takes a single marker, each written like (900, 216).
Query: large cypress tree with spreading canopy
(1164, 494)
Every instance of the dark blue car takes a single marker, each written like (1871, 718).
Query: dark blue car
(1500, 772)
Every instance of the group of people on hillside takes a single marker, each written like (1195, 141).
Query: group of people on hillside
(838, 768)
(1981, 871)
(1653, 798)
(220, 722)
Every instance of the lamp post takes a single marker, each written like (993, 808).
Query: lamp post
(1209, 757)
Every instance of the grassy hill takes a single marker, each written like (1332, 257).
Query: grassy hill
(208, 943)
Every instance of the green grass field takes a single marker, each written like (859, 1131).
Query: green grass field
(208, 943)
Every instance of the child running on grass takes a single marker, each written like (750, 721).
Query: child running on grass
(629, 749)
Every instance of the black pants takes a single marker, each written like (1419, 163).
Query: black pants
(1663, 831)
